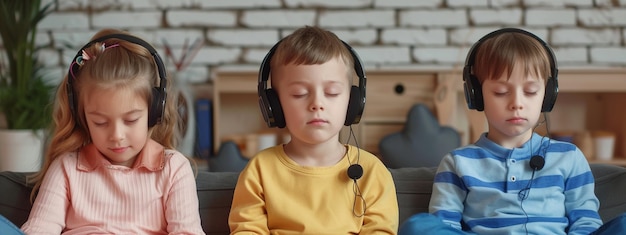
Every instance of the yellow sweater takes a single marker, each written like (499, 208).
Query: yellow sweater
(275, 195)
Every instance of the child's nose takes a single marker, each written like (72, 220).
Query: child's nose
(317, 102)
(117, 132)
(517, 102)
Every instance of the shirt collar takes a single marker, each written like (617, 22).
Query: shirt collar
(151, 157)
(529, 148)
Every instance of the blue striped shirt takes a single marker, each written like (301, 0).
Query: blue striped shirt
(489, 188)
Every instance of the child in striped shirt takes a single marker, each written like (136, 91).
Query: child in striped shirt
(512, 180)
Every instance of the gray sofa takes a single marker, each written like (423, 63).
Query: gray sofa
(413, 186)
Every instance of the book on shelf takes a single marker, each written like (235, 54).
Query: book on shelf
(204, 119)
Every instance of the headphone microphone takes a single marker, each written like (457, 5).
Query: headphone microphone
(355, 171)
(537, 162)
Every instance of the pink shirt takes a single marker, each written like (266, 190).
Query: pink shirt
(86, 194)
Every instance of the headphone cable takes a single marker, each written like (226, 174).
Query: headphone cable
(358, 195)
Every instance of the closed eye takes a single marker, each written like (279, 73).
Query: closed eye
(100, 123)
(132, 121)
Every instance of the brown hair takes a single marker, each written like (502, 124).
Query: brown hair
(312, 45)
(501, 53)
(125, 66)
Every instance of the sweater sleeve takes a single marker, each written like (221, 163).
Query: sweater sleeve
(581, 203)
(181, 209)
(247, 214)
(381, 215)
(446, 201)
(48, 213)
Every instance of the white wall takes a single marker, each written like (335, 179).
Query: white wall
(386, 33)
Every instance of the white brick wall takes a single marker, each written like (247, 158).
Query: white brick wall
(506, 16)
(431, 18)
(328, 3)
(581, 37)
(385, 33)
(407, 3)
(384, 55)
(237, 4)
(417, 37)
(609, 55)
(200, 18)
(278, 18)
(550, 17)
(351, 18)
(603, 17)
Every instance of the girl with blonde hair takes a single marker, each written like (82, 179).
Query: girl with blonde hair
(110, 166)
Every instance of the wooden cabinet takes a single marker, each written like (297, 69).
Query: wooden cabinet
(389, 97)
(589, 99)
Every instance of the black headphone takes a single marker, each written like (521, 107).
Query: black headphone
(157, 105)
(473, 88)
(270, 104)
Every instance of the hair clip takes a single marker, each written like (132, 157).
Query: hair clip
(104, 47)
(80, 60)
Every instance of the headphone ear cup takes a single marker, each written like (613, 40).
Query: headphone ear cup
(276, 110)
(473, 93)
(477, 94)
(355, 109)
(157, 107)
(549, 99)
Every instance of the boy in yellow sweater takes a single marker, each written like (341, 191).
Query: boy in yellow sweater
(313, 184)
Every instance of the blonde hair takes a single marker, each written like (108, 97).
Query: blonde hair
(125, 66)
(501, 53)
(312, 45)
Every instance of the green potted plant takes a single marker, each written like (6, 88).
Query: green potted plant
(25, 97)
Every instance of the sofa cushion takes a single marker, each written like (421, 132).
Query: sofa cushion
(215, 195)
(215, 190)
(413, 189)
(610, 189)
(15, 197)
(422, 142)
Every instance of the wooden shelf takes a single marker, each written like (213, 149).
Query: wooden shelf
(589, 99)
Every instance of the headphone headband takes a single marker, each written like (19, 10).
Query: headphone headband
(471, 56)
(157, 105)
(473, 87)
(270, 105)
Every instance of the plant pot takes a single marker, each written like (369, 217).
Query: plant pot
(21, 150)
